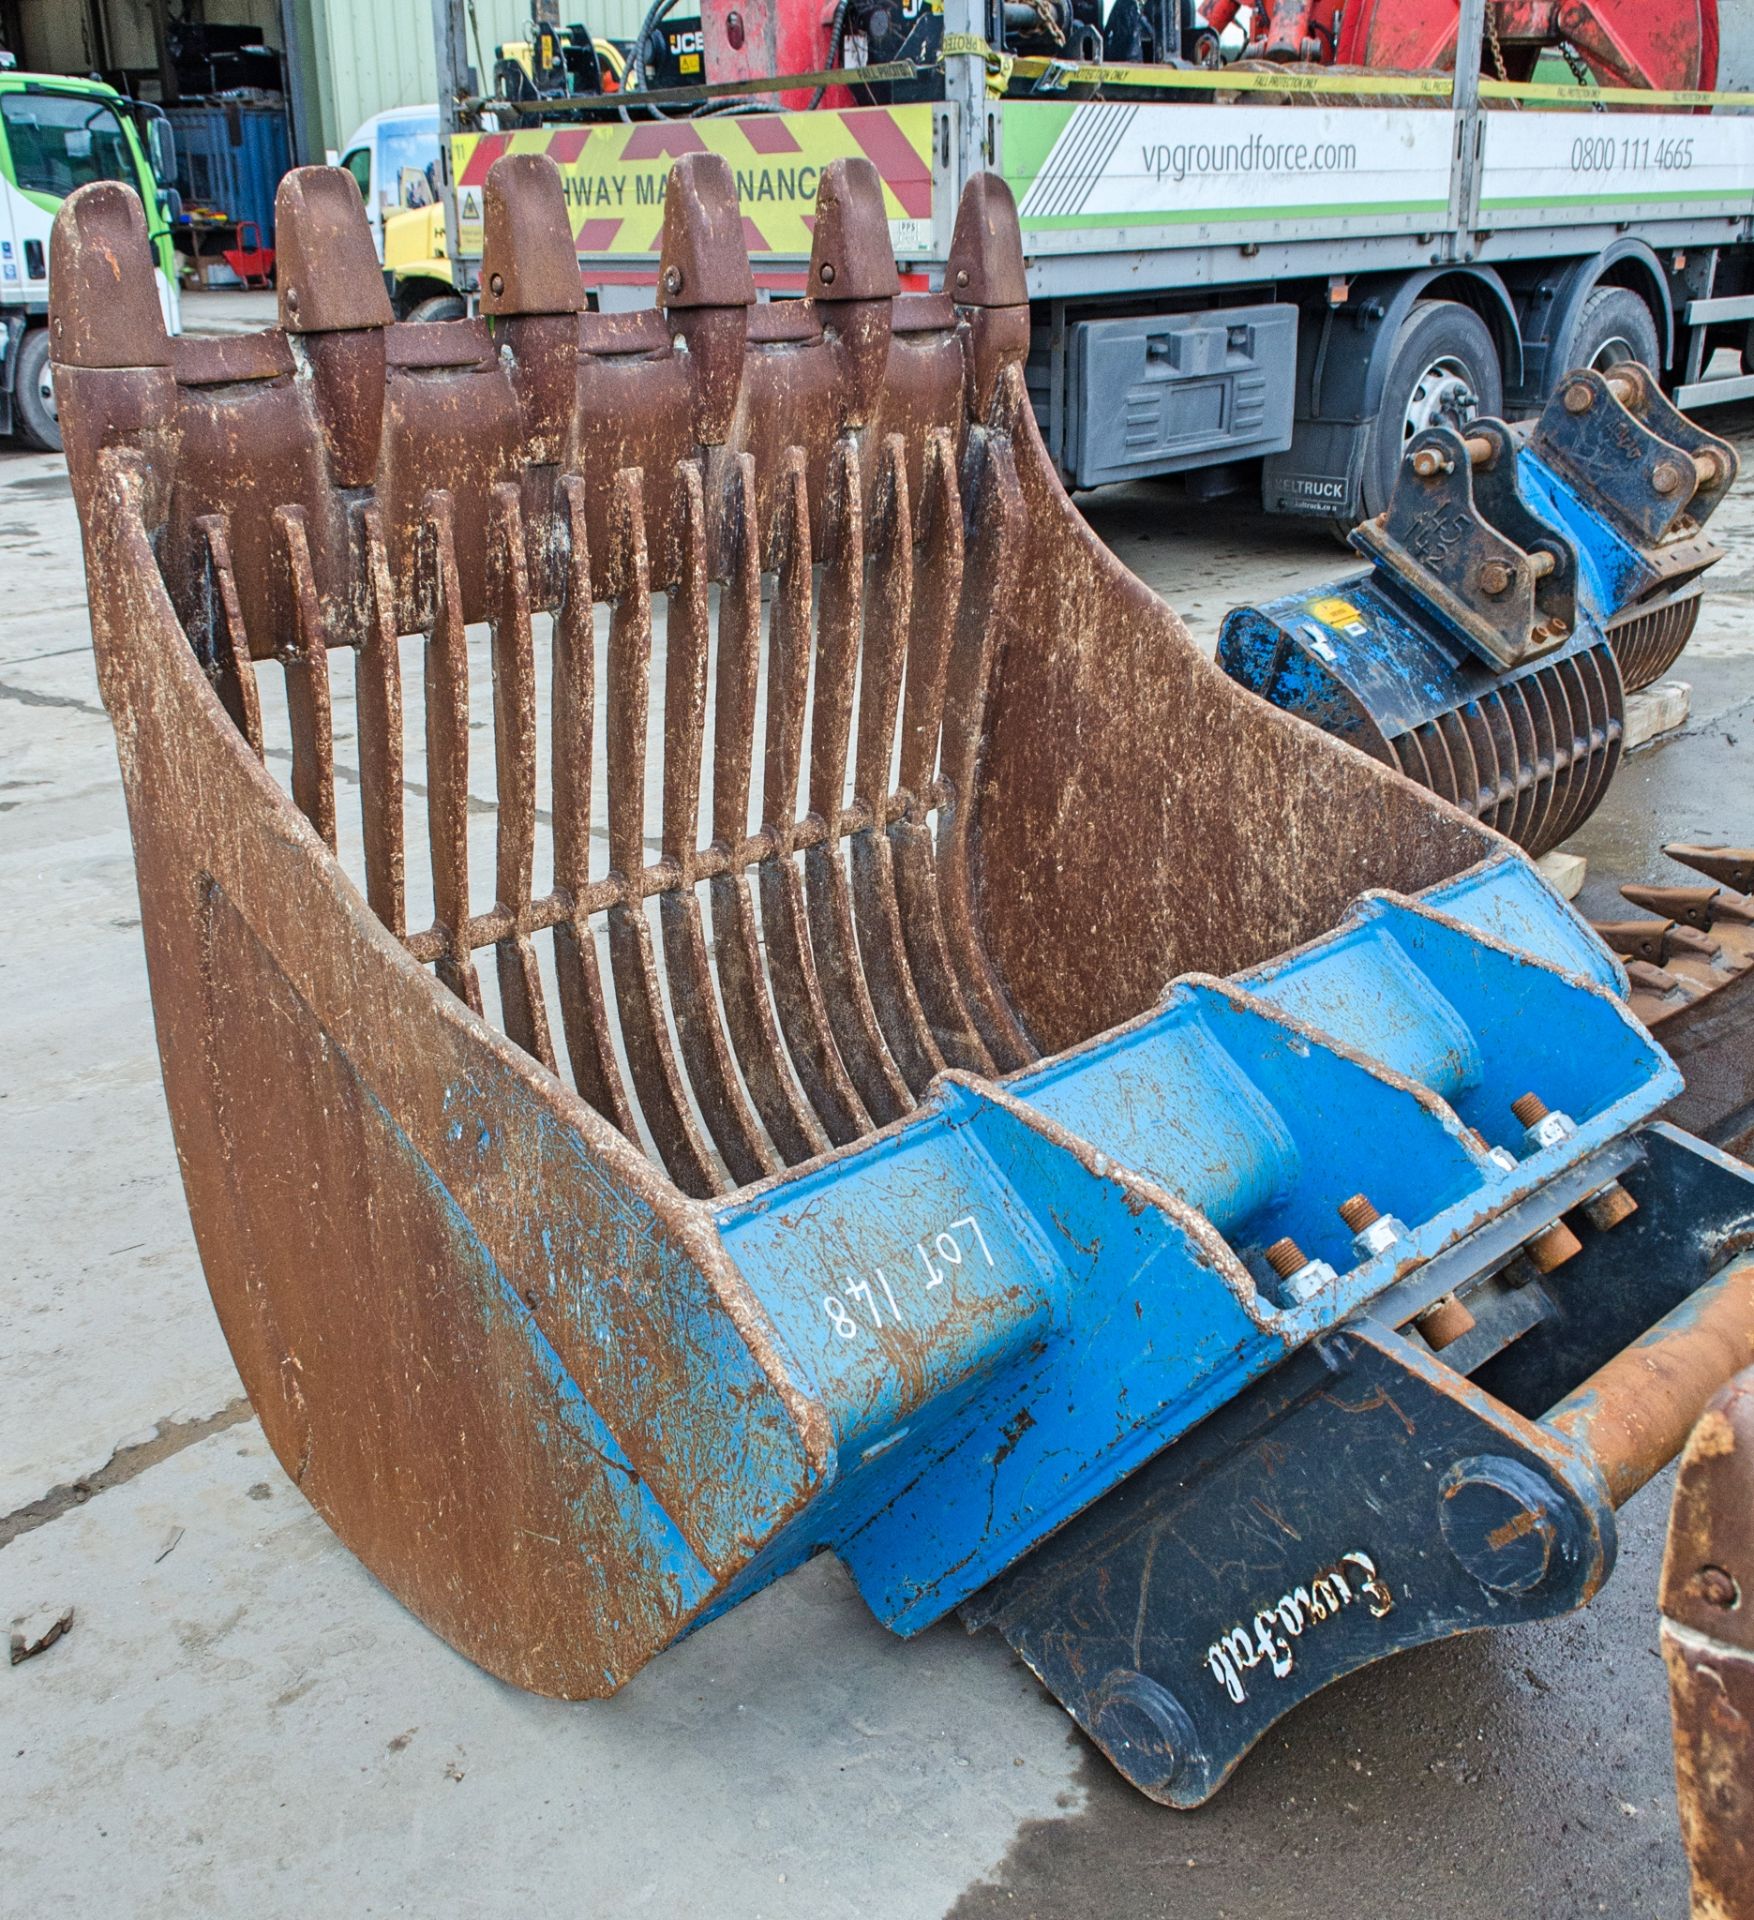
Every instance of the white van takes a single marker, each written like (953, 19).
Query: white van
(394, 157)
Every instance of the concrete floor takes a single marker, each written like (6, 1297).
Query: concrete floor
(241, 1721)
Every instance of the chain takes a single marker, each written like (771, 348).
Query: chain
(1046, 12)
(1497, 49)
(1579, 71)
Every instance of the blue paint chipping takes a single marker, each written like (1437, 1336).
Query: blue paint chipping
(601, 1466)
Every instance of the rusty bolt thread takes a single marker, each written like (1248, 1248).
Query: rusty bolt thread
(1716, 1587)
(1553, 1247)
(1358, 1213)
(1444, 1322)
(1285, 1257)
(1529, 1109)
(1607, 1209)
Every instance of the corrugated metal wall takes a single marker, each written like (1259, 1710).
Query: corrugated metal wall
(367, 55)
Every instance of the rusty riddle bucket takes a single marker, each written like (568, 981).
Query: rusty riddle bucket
(964, 796)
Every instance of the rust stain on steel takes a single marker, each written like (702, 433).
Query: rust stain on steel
(1025, 803)
(1707, 1601)
(1635, 1411)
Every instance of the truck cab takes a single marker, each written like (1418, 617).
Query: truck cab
(393, 159)
(56, 134)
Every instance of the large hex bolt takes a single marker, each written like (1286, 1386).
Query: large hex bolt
(1300, 1275)
(1556, 1244)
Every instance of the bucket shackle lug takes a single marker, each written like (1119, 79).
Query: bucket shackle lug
(1461, 539)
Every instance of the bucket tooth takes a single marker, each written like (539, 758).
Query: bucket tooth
(1729, 866)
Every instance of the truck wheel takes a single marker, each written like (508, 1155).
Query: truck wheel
(1443, 371)
(33, 393)
(438, 306)
(1613, 325)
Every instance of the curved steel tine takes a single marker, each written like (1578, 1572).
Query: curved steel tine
(523, 1003)
(876, 910)
(786, 1114)
(583, 1011)
(791, 963)
(705, 1053)
(447, 752)
(638, 993)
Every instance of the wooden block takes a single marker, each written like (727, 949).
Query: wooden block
(1566, 871)
(1656, 710)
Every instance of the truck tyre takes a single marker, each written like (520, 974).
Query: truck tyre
(1443, 371)
(33, 393)
(1613, 325)
(438, 306)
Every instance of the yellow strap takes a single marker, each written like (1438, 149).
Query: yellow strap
(999, 65)
(1061, 74)
(1607, 96)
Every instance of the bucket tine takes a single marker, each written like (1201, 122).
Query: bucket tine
(639, 994)
(889, 613)
(583, 1011)
(307, 682)
(938, 587)
(447, 752)
(704, 1048)
(797, 990)
(996, 556)
(792, 1126)
(231, 668)
(840, 608)
(523, 1004)
(378, 696)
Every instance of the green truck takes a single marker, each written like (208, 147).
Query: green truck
(56, 134)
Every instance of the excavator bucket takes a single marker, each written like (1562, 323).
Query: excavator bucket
(1523, 581)
(1708, 1648)
(731, 985)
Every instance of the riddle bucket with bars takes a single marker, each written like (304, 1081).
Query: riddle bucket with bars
(731, 985)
